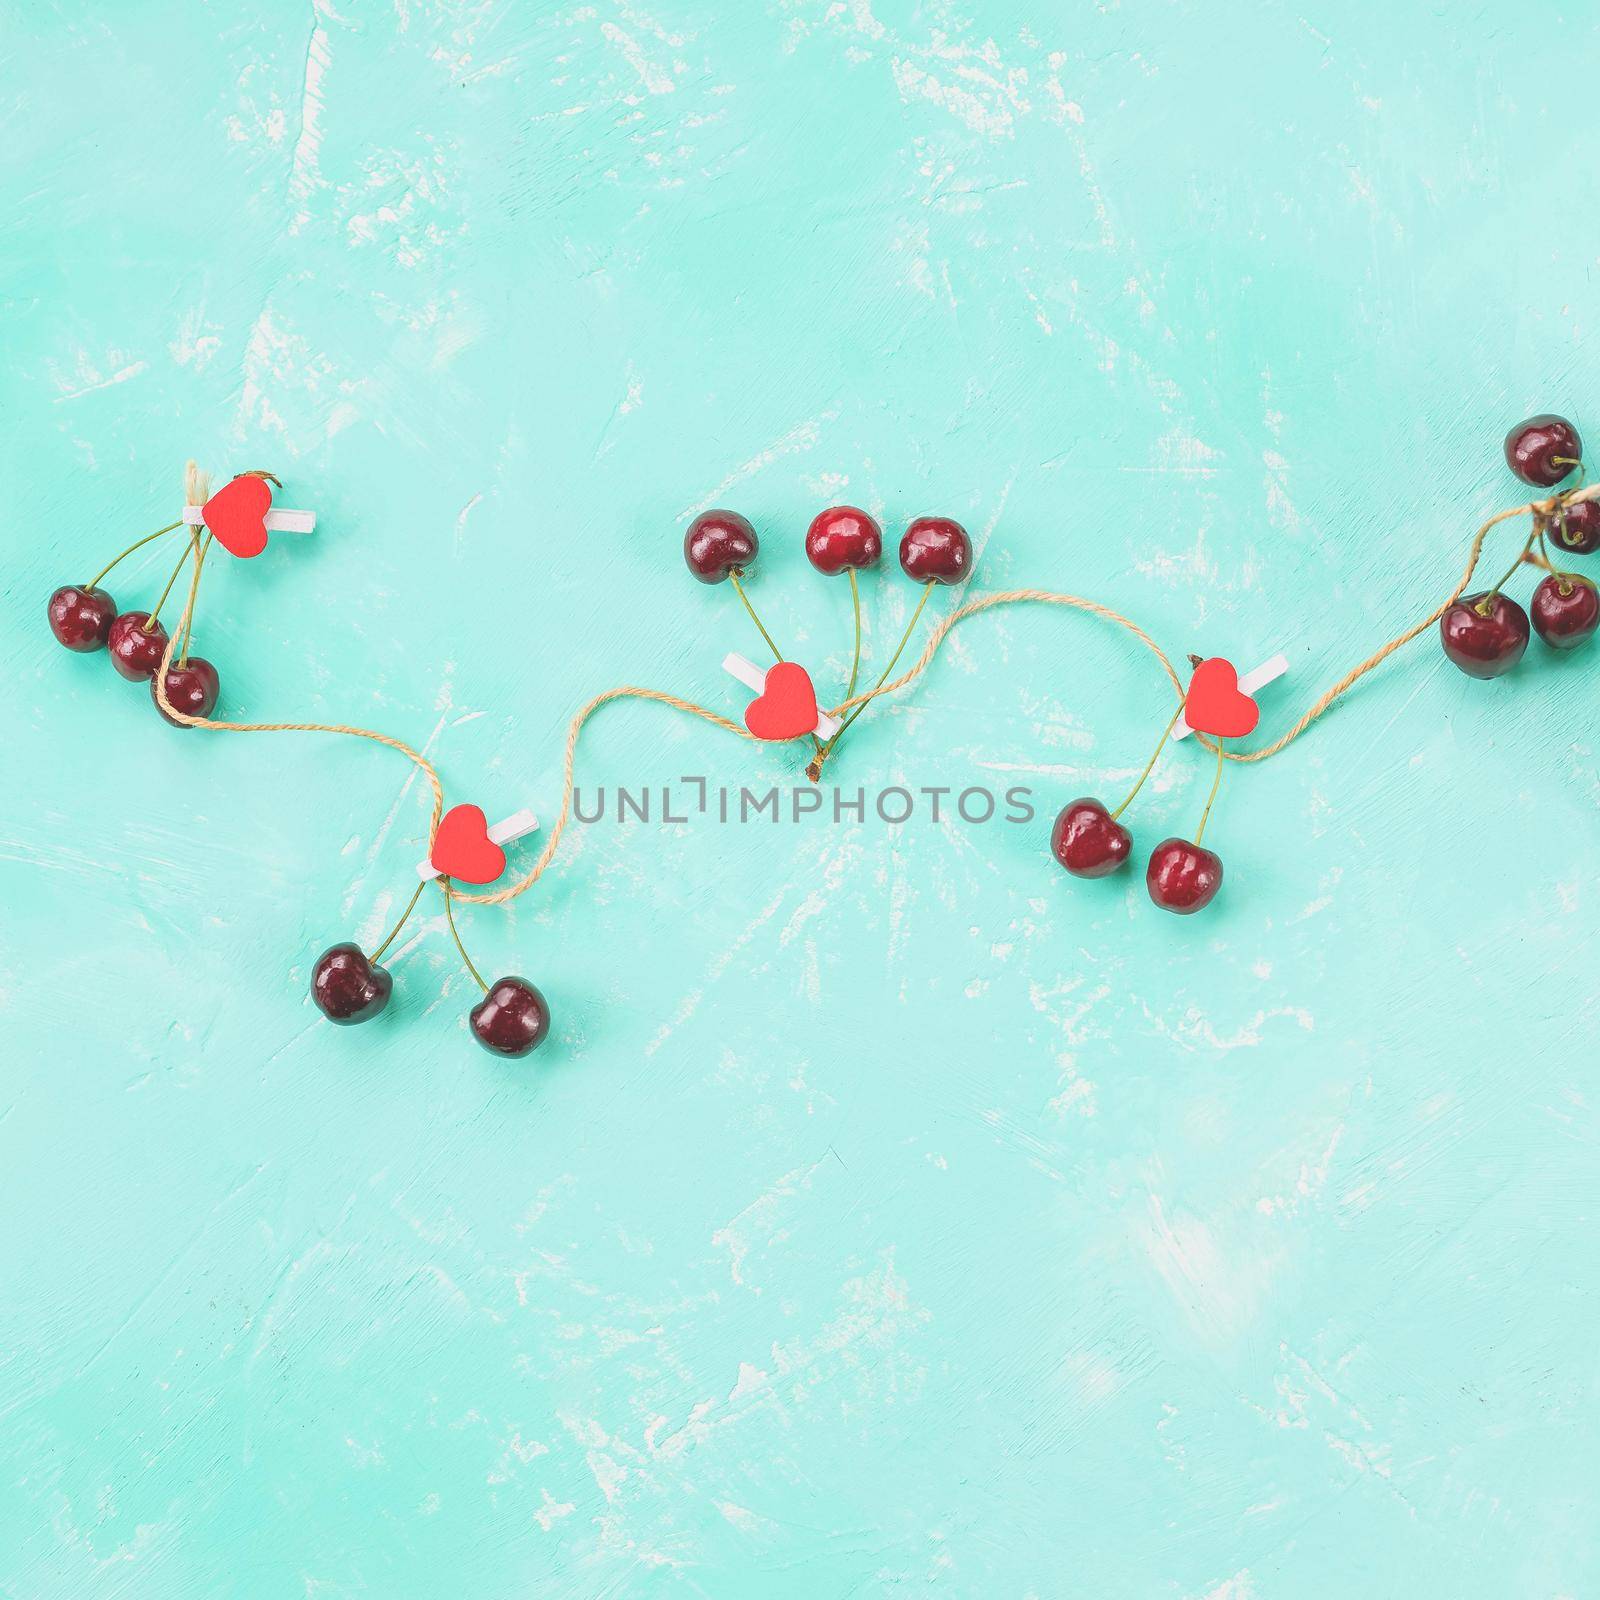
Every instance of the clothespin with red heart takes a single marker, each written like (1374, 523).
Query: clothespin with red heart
(467, 848)
(241, 515)
(786, 703)
(1220, 702)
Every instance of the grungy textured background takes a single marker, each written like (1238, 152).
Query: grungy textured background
(888, 1214)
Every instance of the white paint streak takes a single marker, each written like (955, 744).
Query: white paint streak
(655, 79)
(96, 381)
(305, 175)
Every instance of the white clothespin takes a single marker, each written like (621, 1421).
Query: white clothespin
(277, 521)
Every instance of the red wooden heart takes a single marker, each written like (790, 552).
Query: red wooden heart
(1216, 705)
(237, 514)
(787, 705)
(463, 849)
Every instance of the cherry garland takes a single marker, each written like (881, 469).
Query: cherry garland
(1484, 634)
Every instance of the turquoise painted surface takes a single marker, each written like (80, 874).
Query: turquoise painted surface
(888, 1214)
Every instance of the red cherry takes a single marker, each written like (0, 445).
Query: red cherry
(1182, 876)
(1566, 611)
(936, 550)
(346, 987)
(843, 537)
(81, 618)
(1088, 841)
(192, 687)
(717, 543)
(1575, 529)
(512, 1019)
(136, 651)
(1543, 450)
(1484, 643)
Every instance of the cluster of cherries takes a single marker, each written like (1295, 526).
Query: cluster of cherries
(1182, 876)
(722, 544)
(1485, 634)
(85, 618)
(348, 986)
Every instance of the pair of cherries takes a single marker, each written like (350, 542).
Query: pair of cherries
(1485, 634)
(932, 549)
(722, 544)
(348, 987)
(86, 619)
(1182, 876)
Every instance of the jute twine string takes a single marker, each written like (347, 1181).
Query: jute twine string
(548, 854)
(196, 491)
(1536, 508)
(1343, 686)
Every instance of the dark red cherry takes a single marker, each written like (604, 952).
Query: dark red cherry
(843, 537)
(1183, 876)
(136, 650)
(511, 1019)
(936, 550)
(1566, 611)
(717, 543)
(81, 618)
(346, 987)
(192, 688)
(1575, 529)
(1088, 841)
(1484, 642)
(1543, 450)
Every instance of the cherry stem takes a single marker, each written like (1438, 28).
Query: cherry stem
(1216, 782)
(194, 589)
(1149, 766)
(814, 770)
(1559, 526)
(138, 544)
(777, 654)
(738, 588)
(1482, 607)
(1564, 580)
(450, 917)
(394, 932)
(883, 677)
(155, 611)
(855, 660)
